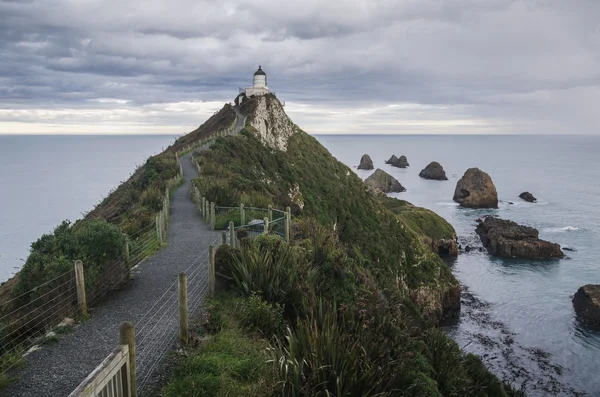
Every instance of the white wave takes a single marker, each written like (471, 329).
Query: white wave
(561, 229)
(448, 204)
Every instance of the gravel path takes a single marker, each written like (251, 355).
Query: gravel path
(56, 371)
(240, 122)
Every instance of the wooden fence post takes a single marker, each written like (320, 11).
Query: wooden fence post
(203, 207)
(223, 238)
(158, 232)
(80, 281)
(231, 234)
(127, 256)
(127, 337)
(270, 213)
(183, 309)
(288, 223)
(212, 216)
(266, 223)
(242, 215)
(211, 271)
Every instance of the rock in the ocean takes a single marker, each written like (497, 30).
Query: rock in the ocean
(434, 170)
(365, 163)
(528, 197)
(392, 159)
(587, 304)
(508, 239)
(476, 190)
(401, 162)
(382, 182)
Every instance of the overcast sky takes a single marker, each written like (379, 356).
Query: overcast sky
(363, 66)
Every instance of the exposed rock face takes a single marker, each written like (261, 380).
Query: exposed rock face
(272, 125)
(476, 190)
(401, 162)
(587, 304)
(508, 239)
(382, 182)
(365, 163)
(528, 197)
(437, 304)
(435, 171)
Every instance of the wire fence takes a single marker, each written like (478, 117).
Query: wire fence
(157, 330)
(27, 319)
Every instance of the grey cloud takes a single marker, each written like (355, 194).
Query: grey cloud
(506, 62)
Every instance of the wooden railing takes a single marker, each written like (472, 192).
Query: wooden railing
(110, 378)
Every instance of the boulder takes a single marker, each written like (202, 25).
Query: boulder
(587, 304)
(435, 171)
(476, 190)
(365, 163)
(528, 197)
(382, 182)
(401, 162)
(508, 239)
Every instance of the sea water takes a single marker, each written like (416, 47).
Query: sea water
(47, 179)
(517, 314)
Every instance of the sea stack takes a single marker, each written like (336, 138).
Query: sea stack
(587, 304)
(365, 163)
(528, 197)
(476, 190)
(508, 239)
(435, 171)
(382, 182)
(401, 162)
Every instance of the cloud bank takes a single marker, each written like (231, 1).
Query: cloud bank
(367, 66)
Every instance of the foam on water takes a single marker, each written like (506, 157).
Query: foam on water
(561, 229)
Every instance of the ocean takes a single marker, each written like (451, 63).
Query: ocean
(516, 314)
(46, 179)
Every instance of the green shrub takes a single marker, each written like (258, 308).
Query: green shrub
(153, 199)
(95, 242)
(267, 270)
(256, 315)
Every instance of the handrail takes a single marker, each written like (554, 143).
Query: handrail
(110, 378)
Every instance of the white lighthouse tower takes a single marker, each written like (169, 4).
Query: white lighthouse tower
(259, 84)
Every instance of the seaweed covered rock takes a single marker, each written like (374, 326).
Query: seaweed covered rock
(365, 163)
(587, 304)
(476, 190)
(382, 182)
(508, 239)
(435, 171)
(435, 231)
(528, 197)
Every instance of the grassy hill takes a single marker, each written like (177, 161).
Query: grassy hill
(348, 307)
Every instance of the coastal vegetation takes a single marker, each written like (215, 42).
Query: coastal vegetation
(347, 307)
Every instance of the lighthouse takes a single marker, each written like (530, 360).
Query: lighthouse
(259, 84)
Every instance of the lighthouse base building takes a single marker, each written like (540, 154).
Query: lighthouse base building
(259, 86)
